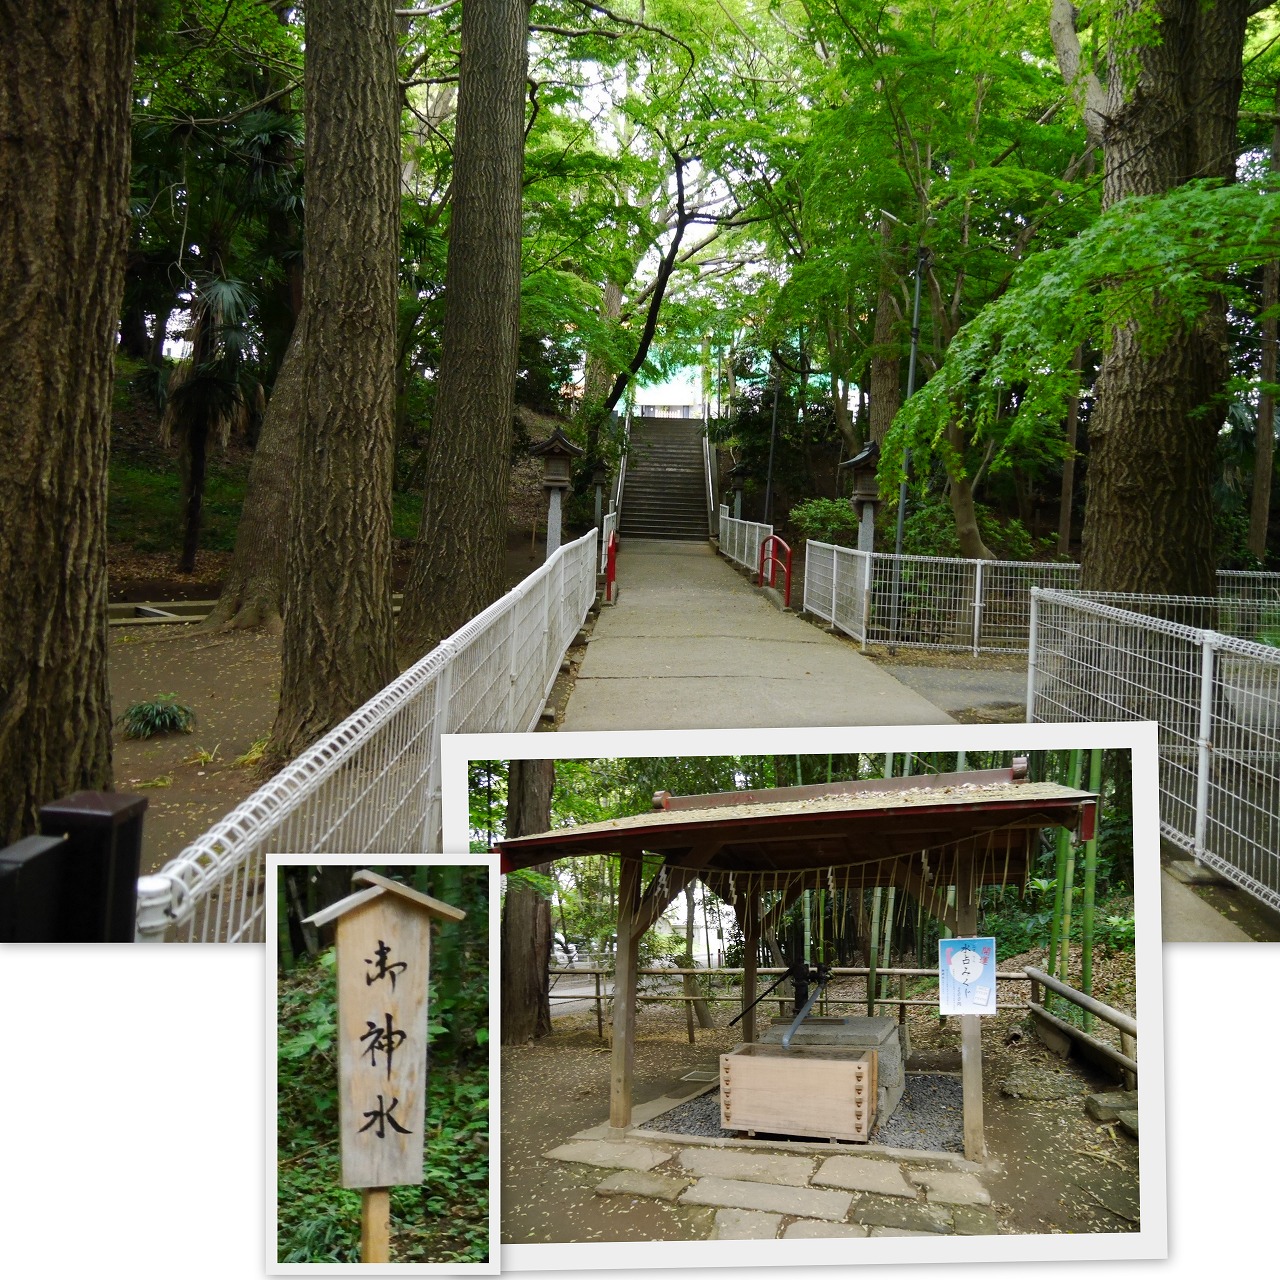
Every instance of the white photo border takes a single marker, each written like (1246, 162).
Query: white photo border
(356, 860)
(1140, 738)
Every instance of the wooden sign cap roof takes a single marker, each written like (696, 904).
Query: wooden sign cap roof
(379, 885)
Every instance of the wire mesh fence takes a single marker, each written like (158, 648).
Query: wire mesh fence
(1214, 694)
(740, 539)
(372, 785)
(983, 606)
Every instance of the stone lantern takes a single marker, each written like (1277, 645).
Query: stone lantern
(737, 481)
(866, 492)
(557, 453)
(599, 479)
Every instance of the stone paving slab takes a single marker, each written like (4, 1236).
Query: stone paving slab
(801, 1202)
(746, 1224)
(810, 1229)
(968, 1221)
(879, 1211)
(950, 1186)
(638, 1182)
(898, 1231)
(611, 1155)
(749, 1166)
(863, 1173)
(1106, 1106)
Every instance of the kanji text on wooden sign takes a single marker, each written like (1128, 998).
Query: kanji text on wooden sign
(384, 956)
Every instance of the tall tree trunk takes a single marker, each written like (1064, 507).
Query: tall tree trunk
(1066, 495)
(459, 560)
(1167, 114)
(1265, 435)
(64, 186)
(960, 492)
(885, 384)
(700, 1009)
(253, 589)
(526, 914)
(338, 648)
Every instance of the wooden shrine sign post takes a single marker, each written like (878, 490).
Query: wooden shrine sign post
(384, 961)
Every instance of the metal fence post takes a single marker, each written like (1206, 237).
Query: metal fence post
(1032, 639)
(1204, 742)
(103, 831)
(977, 605)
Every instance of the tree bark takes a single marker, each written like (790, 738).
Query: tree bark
(338, 648)
(1265, 435)
(1170, 116)
(1066, 495)
(459, 559)
(526, 914)
(65, 83)
(253, 590)
(885, 384)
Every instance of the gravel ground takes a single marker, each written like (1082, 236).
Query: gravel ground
(929, 1118)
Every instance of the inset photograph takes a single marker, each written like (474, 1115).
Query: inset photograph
(382, 1147)
(849, 995)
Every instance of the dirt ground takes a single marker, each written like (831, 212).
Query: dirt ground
(1052, 1168)
(231, 680)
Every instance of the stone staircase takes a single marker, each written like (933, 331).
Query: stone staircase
(665, 492)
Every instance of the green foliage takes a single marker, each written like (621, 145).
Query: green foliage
(1150, 263)
(929, 530)
(826, 520)
(142, 506)
(164, 714)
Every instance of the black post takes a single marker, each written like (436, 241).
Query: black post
(103, 851)
(773, 436)
(32, 873)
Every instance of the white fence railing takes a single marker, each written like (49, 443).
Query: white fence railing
(707, 456)
(372, 785)
(740, 539)
(926, 601)
(1216, 697)
(608, 528)
(936, 602)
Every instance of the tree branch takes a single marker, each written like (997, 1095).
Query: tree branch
(1084, 85)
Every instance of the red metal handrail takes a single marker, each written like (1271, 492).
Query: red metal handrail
(611, 567)
(773, 563)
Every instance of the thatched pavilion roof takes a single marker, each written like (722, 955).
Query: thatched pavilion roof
(841, 835)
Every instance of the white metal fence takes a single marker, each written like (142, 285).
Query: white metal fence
(740, 539)
(1197, 667)
(372, 785)
(608, 529)
(984, 606)
(926, 601)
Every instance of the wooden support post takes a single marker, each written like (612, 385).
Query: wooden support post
(975, 1143)
(375, 1224)
(624, 995)
(751, 937)
(1129, 1047)
(599, 1009)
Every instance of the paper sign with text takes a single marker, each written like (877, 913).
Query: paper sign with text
(966, 976)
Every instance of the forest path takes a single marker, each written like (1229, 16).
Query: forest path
(691, 644)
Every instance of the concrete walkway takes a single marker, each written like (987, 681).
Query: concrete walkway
(1186, 917)
(690, 643)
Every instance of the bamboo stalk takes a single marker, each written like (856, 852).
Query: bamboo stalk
(871, 953)
(1090, 879)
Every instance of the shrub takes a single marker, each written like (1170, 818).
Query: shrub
(826, 520)
(164, 714)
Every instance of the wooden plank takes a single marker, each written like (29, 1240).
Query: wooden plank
(375, 1224)
(749, 921)
(383, 963)
(818, 1091)
(1126, 1061)
(624, 996)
